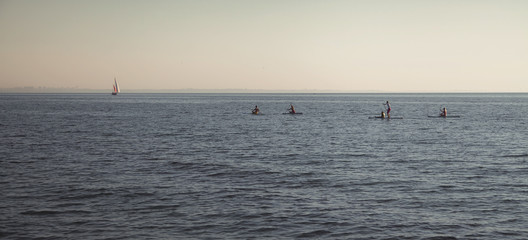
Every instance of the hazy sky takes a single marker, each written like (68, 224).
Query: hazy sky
(401, 46)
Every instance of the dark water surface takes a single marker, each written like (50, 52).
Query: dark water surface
(199, 166)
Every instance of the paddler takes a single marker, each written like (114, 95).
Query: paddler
(443, 112)
(388, 108)
(256, 110)
(292, 109)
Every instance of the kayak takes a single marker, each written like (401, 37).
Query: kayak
(449, 116)
(255, 113)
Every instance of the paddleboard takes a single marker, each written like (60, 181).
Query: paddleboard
(449, 116)
(388, 118)
(293, 113)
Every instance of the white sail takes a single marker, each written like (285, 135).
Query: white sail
(117, 86)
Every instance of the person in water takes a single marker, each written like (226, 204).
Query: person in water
(292, 109)
(443, 113)
(388, 108)
(382, 114)
(256, 110)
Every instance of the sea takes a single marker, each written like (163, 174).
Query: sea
(201, 166)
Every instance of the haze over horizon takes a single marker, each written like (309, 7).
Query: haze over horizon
(355, 46)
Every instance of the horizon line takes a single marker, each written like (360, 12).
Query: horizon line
(222, 90)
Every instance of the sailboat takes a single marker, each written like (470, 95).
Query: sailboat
(116, 87)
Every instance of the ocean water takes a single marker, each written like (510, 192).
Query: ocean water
(200, 166)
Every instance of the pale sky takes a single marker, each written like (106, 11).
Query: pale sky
(363, 45)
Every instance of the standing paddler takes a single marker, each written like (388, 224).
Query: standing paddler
(388, 108)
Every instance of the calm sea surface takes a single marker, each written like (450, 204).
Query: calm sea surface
(200, 166)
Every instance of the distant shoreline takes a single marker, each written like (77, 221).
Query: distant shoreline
(307, 91)
(75, 90)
